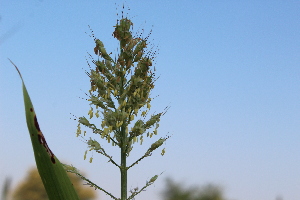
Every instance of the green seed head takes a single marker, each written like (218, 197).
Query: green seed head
(122, 32)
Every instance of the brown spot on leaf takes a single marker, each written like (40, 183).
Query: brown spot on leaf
(31, 109)
(40, 138)
(53, 159)
(36, 124)
(43, 142)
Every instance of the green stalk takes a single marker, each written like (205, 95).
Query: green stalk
(123, 167)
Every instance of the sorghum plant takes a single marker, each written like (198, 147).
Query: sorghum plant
(120, 98)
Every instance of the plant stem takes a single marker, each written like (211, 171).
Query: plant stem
(123, 167)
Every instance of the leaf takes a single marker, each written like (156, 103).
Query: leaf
(54, 177)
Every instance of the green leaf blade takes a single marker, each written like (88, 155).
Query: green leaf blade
(55, 179)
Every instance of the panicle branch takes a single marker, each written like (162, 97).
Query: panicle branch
(74, 170)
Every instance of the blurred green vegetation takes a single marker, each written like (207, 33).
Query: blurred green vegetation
(5, 189)
(32, 188)
(177, 191)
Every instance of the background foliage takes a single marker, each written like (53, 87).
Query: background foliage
(177, 191)
(32, 188)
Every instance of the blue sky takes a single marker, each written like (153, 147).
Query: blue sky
(230, 70)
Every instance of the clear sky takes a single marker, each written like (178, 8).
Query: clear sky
(230, 70)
